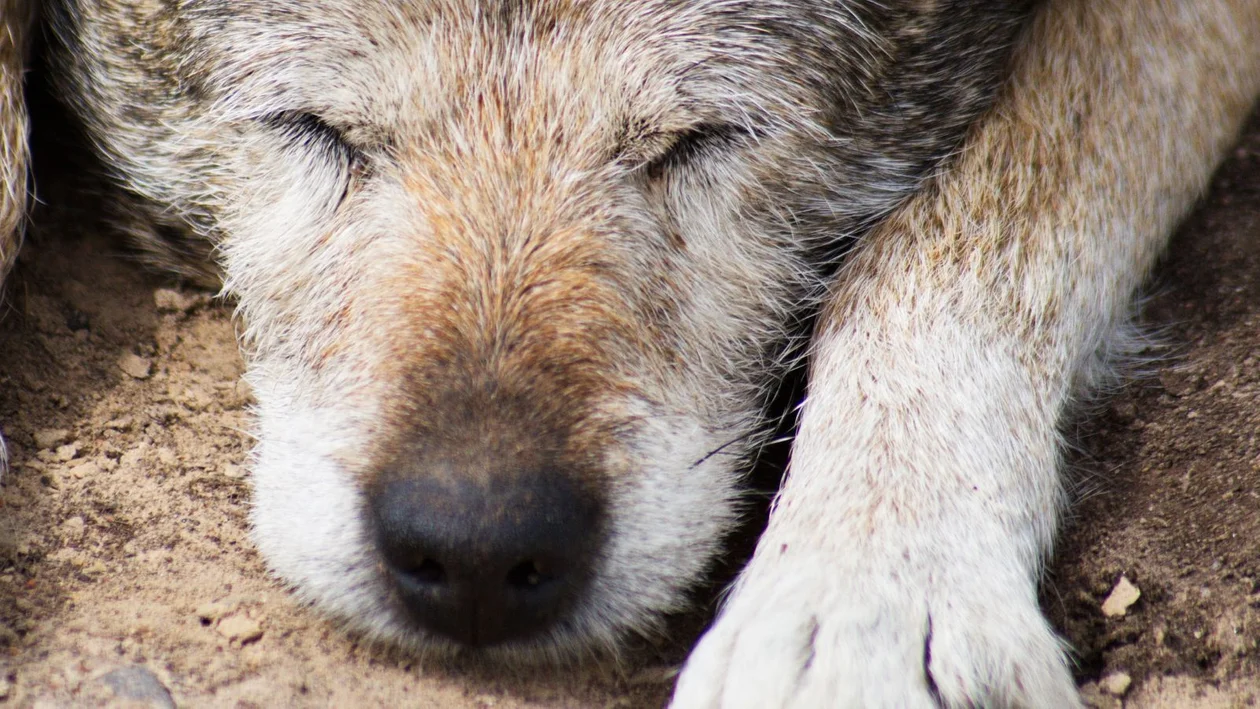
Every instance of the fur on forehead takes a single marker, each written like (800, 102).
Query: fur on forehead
(342, 60)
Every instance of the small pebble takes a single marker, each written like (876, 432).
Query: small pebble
(73, 528)
(136, 686)
(1116, 683)
(1094, 697)
(1124, 595)
(135, 366)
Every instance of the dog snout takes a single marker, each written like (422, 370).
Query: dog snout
(486, 561)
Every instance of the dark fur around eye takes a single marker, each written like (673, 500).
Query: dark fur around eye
(692, 144)
(313, 132)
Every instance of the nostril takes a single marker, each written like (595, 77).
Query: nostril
(428, 572)
(528, 575)
(419, 574)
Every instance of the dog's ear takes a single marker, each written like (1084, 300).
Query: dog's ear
(16, 21)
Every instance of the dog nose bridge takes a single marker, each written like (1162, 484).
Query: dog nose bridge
(509, 164)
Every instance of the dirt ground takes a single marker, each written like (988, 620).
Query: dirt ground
(126, 573)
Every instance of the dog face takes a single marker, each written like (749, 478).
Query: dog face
(560, 286)
(515, 277)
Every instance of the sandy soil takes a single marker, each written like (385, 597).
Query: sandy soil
(126, 574)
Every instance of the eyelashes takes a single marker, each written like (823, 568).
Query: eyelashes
(685, 148)
(654, 156)
(315, 136)
(309, 130)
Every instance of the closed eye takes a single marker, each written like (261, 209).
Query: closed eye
(316, 136)
(683, 148)
(314, 133)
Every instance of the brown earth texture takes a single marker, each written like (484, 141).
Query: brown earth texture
(127, 577)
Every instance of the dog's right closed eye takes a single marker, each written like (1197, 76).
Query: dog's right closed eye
(682, 148)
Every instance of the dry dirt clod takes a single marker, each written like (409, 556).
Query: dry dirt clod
(122, 423)
(135, 366)
(213, 611)
(1124, 595)
(1181, 383)
(236, 472)
(50, 438)
(240, 629)
(170, 300)
(67, 453)
(86, 469)
(241, 394)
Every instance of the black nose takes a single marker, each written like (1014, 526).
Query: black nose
(485, 561)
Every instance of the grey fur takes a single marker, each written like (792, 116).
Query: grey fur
(810, 119)
(491, 241)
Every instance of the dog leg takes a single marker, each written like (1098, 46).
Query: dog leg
(901, 562)
(15, 21)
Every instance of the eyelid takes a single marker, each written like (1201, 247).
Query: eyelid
(303, 125)
(314, 133)
(684, 146)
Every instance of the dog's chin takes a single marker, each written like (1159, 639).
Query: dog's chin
(665, 524)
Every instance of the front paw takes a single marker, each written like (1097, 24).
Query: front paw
(804, 631)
